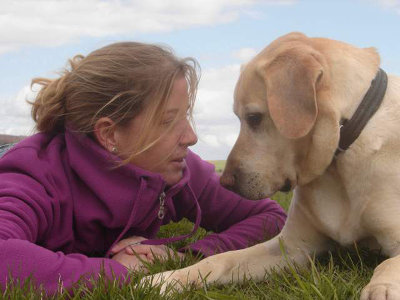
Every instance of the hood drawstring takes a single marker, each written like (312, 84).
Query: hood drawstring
(130, 219)
(181, 237)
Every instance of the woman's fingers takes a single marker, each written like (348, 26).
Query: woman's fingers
(149, 250)
(125, 242)
(132, 262)
(132, 247)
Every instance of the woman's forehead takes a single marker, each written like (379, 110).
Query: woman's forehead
(179, 97)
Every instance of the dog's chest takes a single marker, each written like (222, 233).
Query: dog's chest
(330, 210)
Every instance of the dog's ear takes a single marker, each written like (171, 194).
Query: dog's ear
(291, 81)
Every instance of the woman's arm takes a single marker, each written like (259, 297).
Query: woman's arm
(237, 222)
(26, 214)
(55, 271)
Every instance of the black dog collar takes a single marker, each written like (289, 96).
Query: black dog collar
(351, 129)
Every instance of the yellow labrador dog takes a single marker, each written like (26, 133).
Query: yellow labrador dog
(301, 102)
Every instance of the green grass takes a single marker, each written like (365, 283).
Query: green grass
(219, 165)
(338, 275)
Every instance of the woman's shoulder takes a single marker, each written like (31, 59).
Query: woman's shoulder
(34, 152)
(37, 142)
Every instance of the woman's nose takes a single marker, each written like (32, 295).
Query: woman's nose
(189, 137)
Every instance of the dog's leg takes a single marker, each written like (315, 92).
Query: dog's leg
(381, 219)
(298, 237)
(225, 267)
(385, 283)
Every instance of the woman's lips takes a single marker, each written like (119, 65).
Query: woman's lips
(178, 159)
(179, 162)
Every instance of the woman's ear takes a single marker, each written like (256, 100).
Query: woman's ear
(104, 131)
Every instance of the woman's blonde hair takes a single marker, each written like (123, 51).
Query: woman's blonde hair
(117, 81)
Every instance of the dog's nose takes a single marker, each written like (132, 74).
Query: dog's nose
(227, 180)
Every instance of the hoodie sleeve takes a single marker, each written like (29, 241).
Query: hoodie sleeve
(22, 260)
(236, 222)
(27, 211)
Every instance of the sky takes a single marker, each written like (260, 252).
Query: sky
(37, 37)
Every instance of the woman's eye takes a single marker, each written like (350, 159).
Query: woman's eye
(254, 119)
(167, 122)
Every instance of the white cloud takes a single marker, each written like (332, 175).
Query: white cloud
(53, 23)
(210, 140)
(389, 4)
(244, 54)
(215, 95)
(216, 124)
(15, 113)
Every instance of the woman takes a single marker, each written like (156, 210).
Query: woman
(109, 166)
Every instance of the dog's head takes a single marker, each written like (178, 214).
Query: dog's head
(287, 136)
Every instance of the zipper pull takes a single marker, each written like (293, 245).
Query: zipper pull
(161, 211)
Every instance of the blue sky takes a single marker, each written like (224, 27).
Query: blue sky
(37, 38)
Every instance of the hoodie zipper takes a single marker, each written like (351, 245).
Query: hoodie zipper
(161, 211)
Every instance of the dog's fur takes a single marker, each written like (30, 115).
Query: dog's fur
(290, 100)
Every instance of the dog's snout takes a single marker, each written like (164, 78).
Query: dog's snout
(286, 186)
(227, 181)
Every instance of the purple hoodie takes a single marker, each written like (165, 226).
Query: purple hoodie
(63, 204)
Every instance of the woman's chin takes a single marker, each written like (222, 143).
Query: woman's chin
(173, 178)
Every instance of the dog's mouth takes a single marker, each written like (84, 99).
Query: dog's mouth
(287, 186)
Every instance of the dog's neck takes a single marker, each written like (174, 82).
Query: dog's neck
(350, 76)
(351, 129)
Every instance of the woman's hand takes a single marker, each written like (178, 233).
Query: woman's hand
(131, 262)
(125, 250)
(122, 244)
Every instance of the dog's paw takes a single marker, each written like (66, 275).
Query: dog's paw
(381, 291)
(166, 281)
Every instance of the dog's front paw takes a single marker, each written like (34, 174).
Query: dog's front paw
(169, 281)
(381, 291)
(162, 280)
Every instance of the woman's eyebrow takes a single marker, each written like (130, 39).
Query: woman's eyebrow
(172, 111)
(175, 110)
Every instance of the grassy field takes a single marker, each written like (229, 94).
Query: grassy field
(338, 275)
(219, 165)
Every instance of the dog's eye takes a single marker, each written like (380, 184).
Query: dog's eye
(254, 119)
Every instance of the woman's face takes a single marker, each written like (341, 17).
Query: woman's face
(167, 156)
